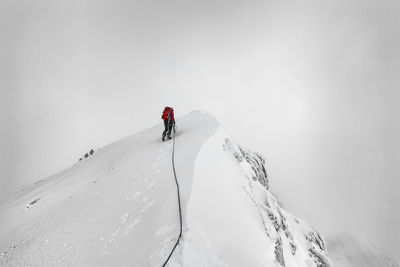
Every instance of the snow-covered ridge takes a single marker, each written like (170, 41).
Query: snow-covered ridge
(316, 246)
(119, 208)
(294, 242)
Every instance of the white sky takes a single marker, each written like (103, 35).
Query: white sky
(314, 86)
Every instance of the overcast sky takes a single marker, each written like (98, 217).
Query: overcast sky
(312, 85)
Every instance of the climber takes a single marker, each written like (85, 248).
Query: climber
(169, 122)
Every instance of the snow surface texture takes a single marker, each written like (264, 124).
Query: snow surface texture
(119, 208)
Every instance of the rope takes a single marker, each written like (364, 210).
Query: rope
(179, 202)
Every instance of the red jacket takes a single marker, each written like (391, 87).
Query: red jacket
(168, 114)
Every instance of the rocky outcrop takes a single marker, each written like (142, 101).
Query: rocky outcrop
(293, 239)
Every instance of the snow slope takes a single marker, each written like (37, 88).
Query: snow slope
(119, 208)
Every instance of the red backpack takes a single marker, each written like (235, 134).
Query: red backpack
(168, 114)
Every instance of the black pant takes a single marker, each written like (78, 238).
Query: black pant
(168, 124)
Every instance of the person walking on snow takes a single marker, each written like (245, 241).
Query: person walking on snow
(169, 122)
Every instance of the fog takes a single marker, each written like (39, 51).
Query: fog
(313, 86)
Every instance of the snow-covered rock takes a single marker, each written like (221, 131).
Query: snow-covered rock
(119, 208)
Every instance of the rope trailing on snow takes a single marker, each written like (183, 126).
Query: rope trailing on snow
(179, 201)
